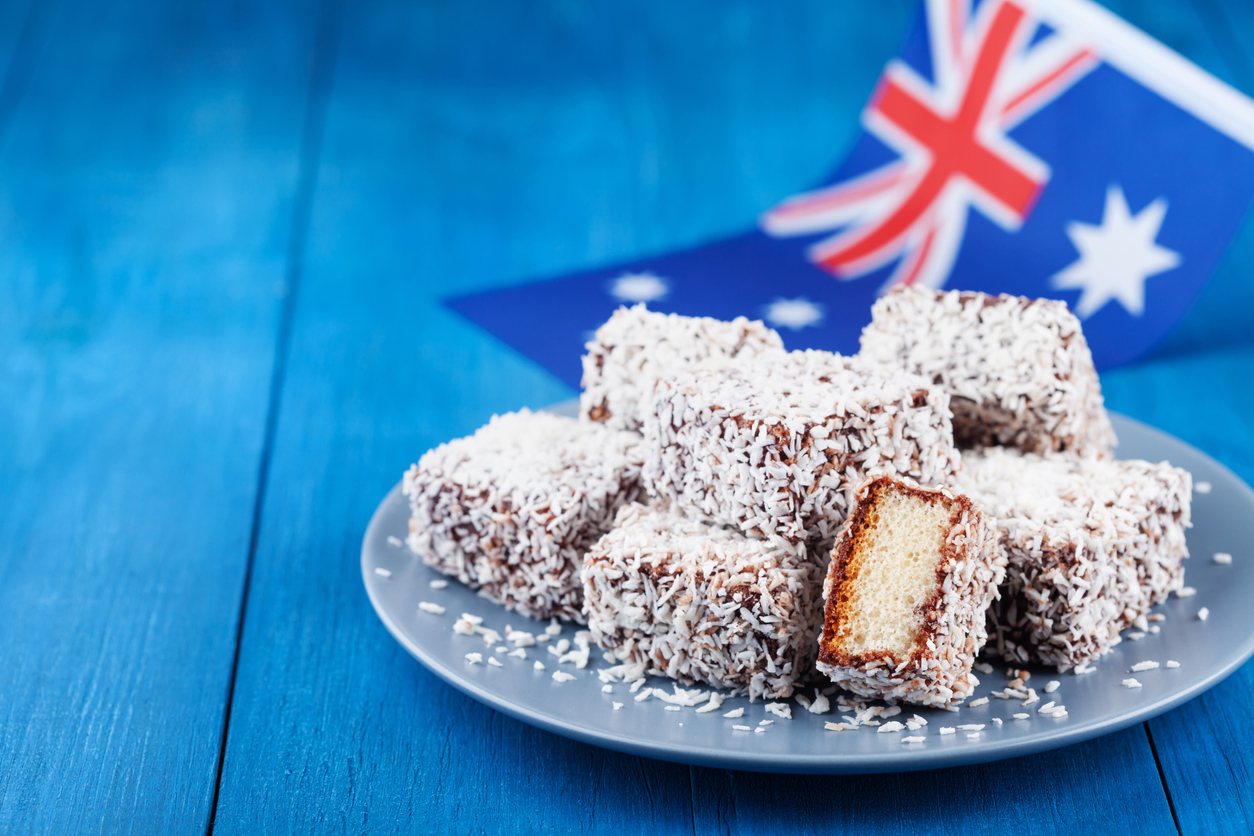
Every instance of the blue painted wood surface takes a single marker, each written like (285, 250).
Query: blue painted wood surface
(146, 179)
(225, 230)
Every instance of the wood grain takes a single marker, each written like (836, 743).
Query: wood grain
(145, 184)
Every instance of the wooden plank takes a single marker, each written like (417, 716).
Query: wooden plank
(145, 195)
(1108, 785)
(1204, 746)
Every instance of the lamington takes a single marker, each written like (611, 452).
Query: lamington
(777, 449)
(636, 346)
(701, 603)
(1091, 545)
(1018, 371)
(512, 509)
(911, 577)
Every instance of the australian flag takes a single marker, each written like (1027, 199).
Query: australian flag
(1033, 147)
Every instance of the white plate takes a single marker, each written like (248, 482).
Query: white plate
(1097, 703)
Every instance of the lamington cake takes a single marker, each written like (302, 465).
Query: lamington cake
(512, 509)
(1018, 371)
(698, 602)
(1092, 545)
(777, 449)
(636, 346)
(911, 578)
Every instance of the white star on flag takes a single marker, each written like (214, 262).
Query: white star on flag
(794, 313)
(1117, 257)
(638, 287)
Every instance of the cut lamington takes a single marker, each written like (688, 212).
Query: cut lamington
(1092, 544)
(512, 509)
(911, 578)
(636, 346)
(778, 449)
(1018, 371)
(698, 602)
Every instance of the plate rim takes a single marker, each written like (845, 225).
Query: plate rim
(835, 763)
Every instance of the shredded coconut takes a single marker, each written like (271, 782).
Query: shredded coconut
(562, 676)
(1185, 592)
(1172, 663)
(381, 572)
(1144, 666)
(1092, 544)
(474, 658)
(1051, 686)
(696, 602)
(635, 347)
(511, 510)
(735, 713)
(977, 703)
(713, 704)
(494, 662)
(1202, 487)
(1222, 558)
(393, 540)
(1018, 370)
(1131, 683)
(434, 609)
(1203, 614)
(780, 710)
(438, 584)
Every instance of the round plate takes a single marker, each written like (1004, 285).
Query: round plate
(1097, 703)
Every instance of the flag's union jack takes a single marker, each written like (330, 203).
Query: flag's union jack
(954, 152)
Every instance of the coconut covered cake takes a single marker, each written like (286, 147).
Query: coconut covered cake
(698, 602)
(512, 509)
(1018, 371)
(911, 578)
(637, 346)
(777, 449)
(1091, 545)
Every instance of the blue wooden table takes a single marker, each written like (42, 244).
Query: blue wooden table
(224, 231)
